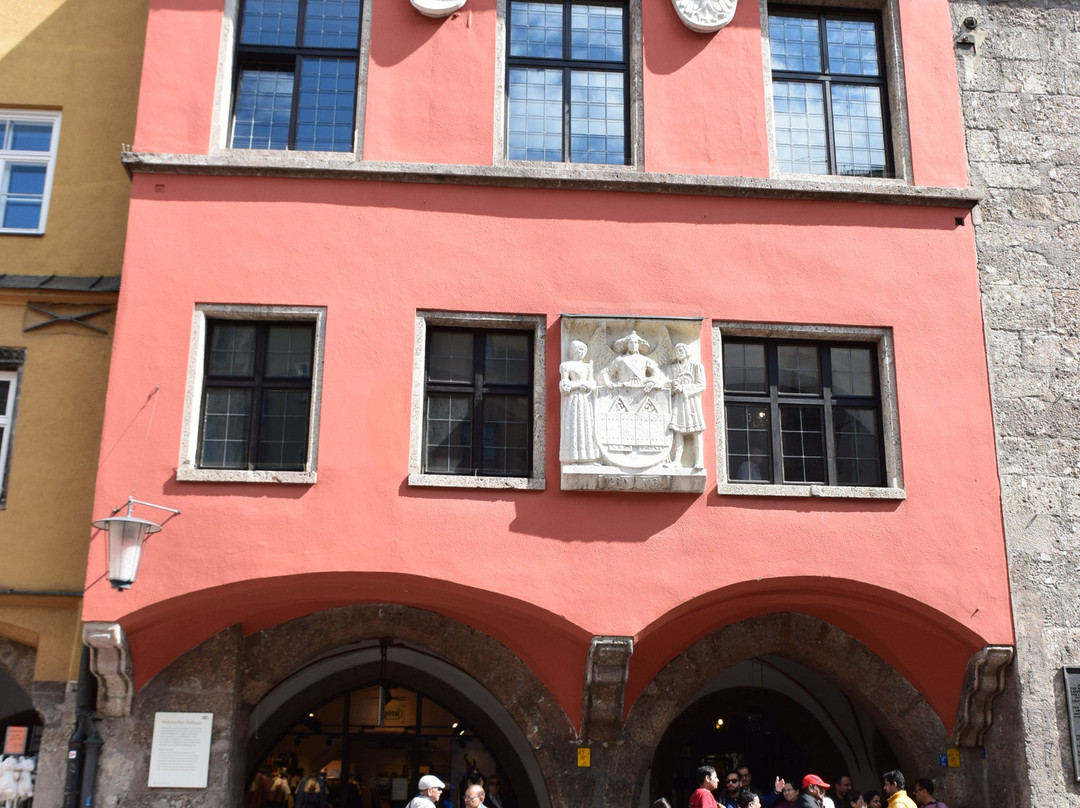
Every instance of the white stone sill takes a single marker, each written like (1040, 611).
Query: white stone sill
(333, 165)
(825, 491)
(464, 481)
(244, 476)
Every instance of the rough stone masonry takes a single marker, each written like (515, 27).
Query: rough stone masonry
(1018, 64)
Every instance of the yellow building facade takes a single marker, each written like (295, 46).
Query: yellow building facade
(69, 75)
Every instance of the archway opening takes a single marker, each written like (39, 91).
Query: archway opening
(20, 723)
(358, 727)
(779, 718)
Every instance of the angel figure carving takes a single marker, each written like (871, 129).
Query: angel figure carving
(578, 388)
(705, 16)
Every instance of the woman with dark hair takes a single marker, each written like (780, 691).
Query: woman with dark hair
(788, 795)
(873, 799)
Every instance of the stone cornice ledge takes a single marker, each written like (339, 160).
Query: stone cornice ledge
(532, 175)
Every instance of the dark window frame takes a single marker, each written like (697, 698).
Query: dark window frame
(827, 79)
(478, 389)
(568, 65)
(259, 383)
(289, 59)
(824, 397)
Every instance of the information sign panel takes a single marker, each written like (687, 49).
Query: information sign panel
(15, 740)
(1072, 700)
(180, 753)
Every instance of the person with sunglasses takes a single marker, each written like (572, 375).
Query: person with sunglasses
(732, 789)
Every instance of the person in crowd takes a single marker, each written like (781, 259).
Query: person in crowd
(789, 792)
(748, 799)
(813, 792)
(431, 789)
(841, 789)
(744, 779)
(707, 784)
(923, 792)
(773, 798)
(892, 783)
(496, 797)
(474, 796)
(732, 790)
(873, 799)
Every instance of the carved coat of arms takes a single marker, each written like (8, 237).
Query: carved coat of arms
(705, 16)
(631, 412)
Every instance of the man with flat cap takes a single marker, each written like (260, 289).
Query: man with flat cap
(431, 788)
(813, 792)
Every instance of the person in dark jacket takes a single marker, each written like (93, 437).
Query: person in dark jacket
(813, 792)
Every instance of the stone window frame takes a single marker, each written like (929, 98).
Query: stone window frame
(225, 91)
(899, 133)
(188, 469)
(12, 361)
(635, 99)
(10, 157)
(537, 324)
(890, 423)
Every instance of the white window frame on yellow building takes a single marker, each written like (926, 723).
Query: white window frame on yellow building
(10, 157)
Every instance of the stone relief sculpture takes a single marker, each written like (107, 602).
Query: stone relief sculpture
(576, 383)
(687, 416)
(705, 16)
(437, 8)
(632, 416)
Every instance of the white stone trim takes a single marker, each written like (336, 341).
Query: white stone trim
(890, 422)
(189, 434)
(511, 322)
(895, 87)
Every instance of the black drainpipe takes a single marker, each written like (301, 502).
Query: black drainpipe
(84, 746)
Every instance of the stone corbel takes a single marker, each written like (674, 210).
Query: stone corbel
(606, 671)
(705, 16)
(437, 8)
(110, 662)
(984, 682)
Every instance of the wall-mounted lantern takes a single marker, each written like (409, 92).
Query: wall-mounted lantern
(126, 536)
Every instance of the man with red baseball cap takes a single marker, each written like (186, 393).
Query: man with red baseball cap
(813, 793)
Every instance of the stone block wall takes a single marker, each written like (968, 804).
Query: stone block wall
(1019, 74)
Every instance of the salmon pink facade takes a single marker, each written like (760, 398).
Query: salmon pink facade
(341, 356)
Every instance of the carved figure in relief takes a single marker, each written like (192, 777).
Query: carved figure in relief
(687, 417)
(705, 16)
(576, 383)
(632, 368)
(633, 402)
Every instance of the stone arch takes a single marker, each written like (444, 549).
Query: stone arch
(913, 729)
(17, 679)
(17, 659)
(274, 656)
